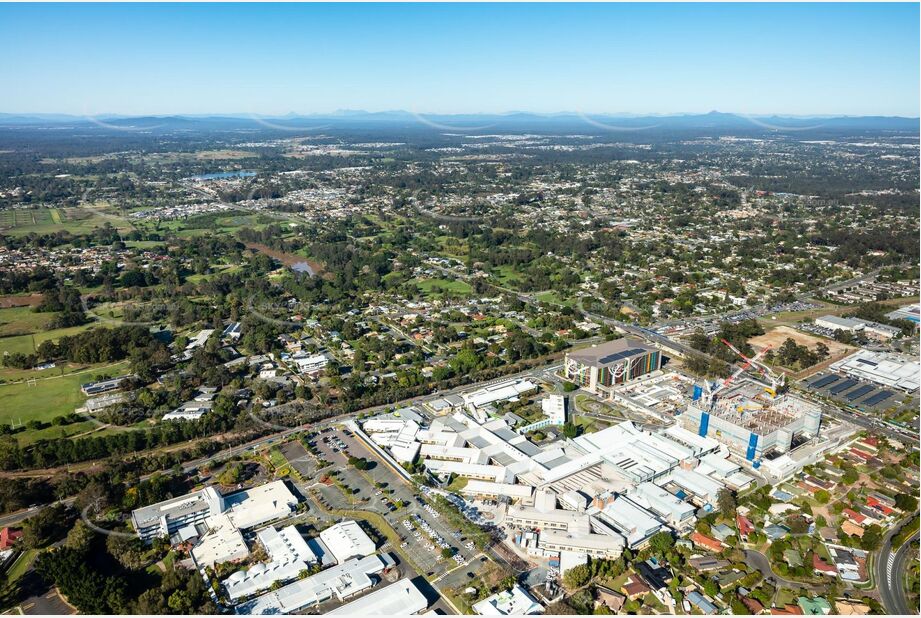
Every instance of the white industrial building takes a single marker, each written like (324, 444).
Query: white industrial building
(338, 582)
(602, 546)
(669, 508)
(858, 325)
(513, 602)
(633, 522)
(487, 489)
(725, 471)
(346, 540)
(509, 390)
(884, 368)
(288, 555)
(222, 542)
(401, 598)
(834, 322)
(702, 489)
(244, 509)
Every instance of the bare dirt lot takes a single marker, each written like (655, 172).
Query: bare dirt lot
(776, 336)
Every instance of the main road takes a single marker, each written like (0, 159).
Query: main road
(890, 573)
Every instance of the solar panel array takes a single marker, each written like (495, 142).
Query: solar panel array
(610, 358)
(877, 398)
(843, 386)
(856, 394)
(823, 382)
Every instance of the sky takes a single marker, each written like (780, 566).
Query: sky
(789, 59)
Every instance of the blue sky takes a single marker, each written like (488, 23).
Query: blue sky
(857, 59)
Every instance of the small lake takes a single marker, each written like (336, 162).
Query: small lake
(224, 175)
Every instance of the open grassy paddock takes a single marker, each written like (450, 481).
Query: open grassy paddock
(76, 220)
(49, 395)
(22, 321)
(436, 287)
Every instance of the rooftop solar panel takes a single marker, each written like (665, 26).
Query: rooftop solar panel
(824, 381)
(610, 358)
(856, 394)
(878, 397)
(834, 390)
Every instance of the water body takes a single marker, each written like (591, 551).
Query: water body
(224, 175)
(303, 268)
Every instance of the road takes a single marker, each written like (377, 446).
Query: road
(756, 560)
(890, 574)
(542, 372)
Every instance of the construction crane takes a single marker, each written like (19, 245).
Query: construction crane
(765, 371)
(712, 391)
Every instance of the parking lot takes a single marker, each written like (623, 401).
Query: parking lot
(423, 534)
(853, 392)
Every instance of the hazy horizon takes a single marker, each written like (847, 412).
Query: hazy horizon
(641, 59)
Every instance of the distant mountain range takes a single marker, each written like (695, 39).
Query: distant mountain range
(477, 123)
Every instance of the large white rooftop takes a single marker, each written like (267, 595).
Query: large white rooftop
(341, 581)
(883, 368)
(514, 602)
(398, 599)
(347, 540)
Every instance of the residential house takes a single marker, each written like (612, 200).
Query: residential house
(702, 540)
(613, 599)
(823, 568)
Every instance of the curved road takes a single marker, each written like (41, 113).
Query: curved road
(757, 560)
(890, 574)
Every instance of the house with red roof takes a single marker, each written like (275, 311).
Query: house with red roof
(823, 568)
(876, 503)
(706, 542)
(744, 526)
(8, 537)
(753, 606)
(854, 516)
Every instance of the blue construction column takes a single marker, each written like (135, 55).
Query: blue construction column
(752, 447)
(704, 424)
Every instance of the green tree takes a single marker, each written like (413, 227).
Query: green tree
(726, 502)
(577, 576)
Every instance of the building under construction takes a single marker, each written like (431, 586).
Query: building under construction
(751, 421)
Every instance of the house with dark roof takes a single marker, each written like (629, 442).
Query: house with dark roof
(634, 588)
(708, 563)
(654, 574)
(697, 600)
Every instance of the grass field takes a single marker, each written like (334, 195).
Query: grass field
(21, 565)
(553, 298)
(506, 276)
(76, 220)
(427, 286)
(22, 321)
(48, 397)
(28, 437)
(28, 342)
